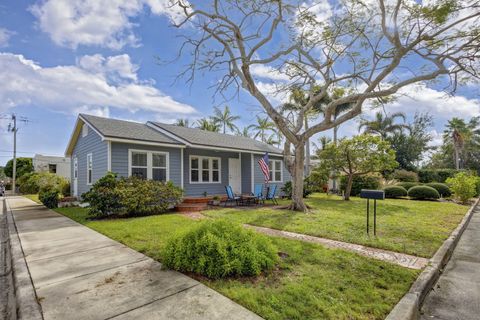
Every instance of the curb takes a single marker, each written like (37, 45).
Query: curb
(8, 308)
(25, 296)
(408, 308)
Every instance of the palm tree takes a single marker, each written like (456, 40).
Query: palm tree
(182, 123)
(383, 125)
(225, 119)
(208, 125)
(264, 127)
(458, 132)
(244, 133)
(338, 93)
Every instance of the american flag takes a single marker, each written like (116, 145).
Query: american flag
(263, 163)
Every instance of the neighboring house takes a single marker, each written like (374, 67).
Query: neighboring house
(195, 160)
(59, 165)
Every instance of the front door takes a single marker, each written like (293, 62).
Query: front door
(75, 177)
(235, 175)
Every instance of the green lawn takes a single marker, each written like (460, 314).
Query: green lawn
(33, 197)
(312, 282)
(414, 227)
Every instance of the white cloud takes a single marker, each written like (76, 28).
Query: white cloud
(94, 84)
(420, 98)
(104, 23)
(267, 72)
(5, 37)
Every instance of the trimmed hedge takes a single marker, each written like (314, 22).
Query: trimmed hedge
(407, 185)
(405, 175)
(395, 192)
(219, 249)
(359, 183)
(436, 175)
(442, 188)
(423, 192)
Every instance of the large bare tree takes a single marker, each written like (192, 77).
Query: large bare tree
(375, 47)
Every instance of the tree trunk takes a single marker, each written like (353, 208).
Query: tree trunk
(307, 152)
(348, 188)
(334, 173)
(297, 180)
(457, 157)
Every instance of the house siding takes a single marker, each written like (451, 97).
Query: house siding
(120, 159)
(258, 175)
(91, 143)
(197, 189)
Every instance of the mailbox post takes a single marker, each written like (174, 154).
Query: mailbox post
(375, 195)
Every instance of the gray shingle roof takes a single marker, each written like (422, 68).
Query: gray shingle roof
(114, 128)
(214, 139)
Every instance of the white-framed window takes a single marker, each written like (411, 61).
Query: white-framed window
(84, 130)
(148, 164)
(276, 172)
(89, 168)
(75, 168)
(205, 169)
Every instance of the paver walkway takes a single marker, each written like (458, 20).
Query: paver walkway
(457, 293)
(404, 260)
(80, 274)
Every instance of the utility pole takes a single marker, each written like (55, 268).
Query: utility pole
(14, 129)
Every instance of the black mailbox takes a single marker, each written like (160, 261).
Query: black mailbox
(375, 195)
(372, 194)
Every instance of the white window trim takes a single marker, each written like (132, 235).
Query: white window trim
(75, 168)
(89, 155)
(272, 177)
(210, 169)
(149, 162)
(84, 130)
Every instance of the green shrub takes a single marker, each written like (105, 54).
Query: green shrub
(423, 192)
(463, 186)
(395, 192)
(359, 183)
(219, 249)
(142, 197)
(130, 196)
(287, 189)
(407, 185)
(34, 182)
(49, 198)
(436, 175)
(28, 183)
(405, 176)
(442, 188)
(103, 197)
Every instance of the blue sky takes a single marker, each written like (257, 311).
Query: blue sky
(53, 66)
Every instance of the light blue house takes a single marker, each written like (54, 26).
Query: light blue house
(195, 160)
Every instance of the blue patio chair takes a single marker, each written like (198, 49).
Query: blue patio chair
(271, 194)
(258, 193)
(231, 197)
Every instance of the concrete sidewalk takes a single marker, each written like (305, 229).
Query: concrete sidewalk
(80, 274)
(456, 295)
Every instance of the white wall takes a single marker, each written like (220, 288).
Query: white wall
(41, 164)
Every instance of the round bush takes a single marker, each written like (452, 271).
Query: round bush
(442, 188)
(423, 192)
(218, 249)
(395, 192)
(407, 185)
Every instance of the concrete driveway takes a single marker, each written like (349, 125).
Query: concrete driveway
(78, 273)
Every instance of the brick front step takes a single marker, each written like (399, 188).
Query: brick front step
(191, 207)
